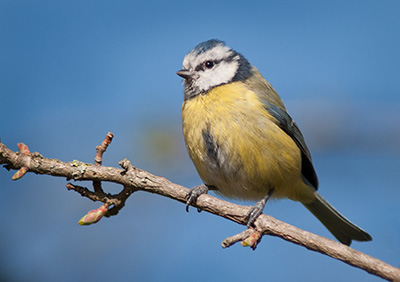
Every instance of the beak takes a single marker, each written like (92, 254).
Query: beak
(185, 74)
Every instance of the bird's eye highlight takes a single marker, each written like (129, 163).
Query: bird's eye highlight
(209, 64)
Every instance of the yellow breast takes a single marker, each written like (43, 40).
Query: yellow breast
(249, 153)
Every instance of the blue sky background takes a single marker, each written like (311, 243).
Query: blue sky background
(70, 71)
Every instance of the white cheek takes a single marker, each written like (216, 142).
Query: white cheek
(221, 74)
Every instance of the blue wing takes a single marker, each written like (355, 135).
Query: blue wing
(287, 124)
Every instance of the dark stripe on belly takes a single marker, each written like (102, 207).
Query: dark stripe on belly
(211, 146)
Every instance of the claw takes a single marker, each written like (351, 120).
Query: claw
(257, 209)
(193, 194)
(255, 212)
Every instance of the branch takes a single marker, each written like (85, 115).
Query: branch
(133, 179)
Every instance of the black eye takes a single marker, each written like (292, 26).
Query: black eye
(209, 64)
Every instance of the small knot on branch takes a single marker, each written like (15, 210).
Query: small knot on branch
(125, 164)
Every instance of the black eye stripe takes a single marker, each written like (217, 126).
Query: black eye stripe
(203, 65)
(199, 68)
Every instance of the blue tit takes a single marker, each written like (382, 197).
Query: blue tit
(243, 142)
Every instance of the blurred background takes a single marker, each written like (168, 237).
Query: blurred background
(71, 71)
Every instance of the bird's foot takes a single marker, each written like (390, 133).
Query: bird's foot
(257, 209)
(194, 193)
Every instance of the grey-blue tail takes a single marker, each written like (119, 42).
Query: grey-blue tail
(344, 230)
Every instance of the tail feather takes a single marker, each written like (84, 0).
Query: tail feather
(344, 230)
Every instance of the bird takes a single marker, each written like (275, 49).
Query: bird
(242, 141)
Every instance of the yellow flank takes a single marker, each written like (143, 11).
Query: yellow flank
(252, 154)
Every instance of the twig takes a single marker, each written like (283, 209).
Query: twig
(134, 179)
(249, 238)
(98, 160)
(118, 200)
